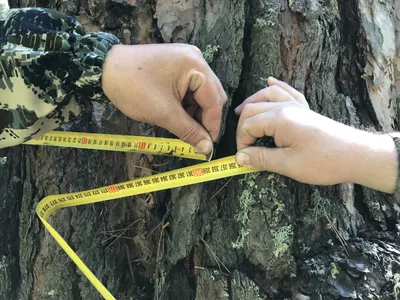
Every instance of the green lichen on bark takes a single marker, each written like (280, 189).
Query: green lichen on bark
(246, 201)
(210, 52)
(282, 239)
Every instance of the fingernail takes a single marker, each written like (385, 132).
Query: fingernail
(204, 146)
(243, 159)
(272, 78)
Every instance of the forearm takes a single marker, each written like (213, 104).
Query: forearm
(373, 161)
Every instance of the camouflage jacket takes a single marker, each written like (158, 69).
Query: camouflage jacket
(48, 65)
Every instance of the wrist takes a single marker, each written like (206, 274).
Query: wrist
(109, 65)
(372, 161)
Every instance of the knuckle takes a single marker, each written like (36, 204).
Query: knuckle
(266, 91)
(244, 129)
(273, 89)
(195, 50)
(202, 64)
(195, 56)
(303, 100)
(224, 99)
(189, 132)
(281, 112)
(248, 108)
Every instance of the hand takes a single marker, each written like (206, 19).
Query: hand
(310, 147)
(169, 85)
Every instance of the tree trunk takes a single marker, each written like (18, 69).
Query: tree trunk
(259, 236)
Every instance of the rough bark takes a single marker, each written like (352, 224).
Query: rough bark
(260, 236)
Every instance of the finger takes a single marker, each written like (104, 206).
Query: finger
(190, 105)
(265, 159)
(270, 94)
(253, 109)
(188, 130)
(198, 115)
(299, 97)
(256, 127)
(207, 96)
(220, 88)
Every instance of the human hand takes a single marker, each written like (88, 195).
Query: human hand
(311, 148)
(169, 85)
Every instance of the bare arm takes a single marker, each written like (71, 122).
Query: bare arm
(310, 147)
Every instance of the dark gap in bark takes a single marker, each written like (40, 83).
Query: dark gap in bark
(352, 61)
(191, 273)
(229, 281)
(37, 242)
(12, 191)
(391, 224)
(227, 146)
(157, 36)
(75, 282)
(363, 209)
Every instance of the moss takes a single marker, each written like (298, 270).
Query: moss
(335, 269)
(210, 53)
(262, 23)
(282, 239)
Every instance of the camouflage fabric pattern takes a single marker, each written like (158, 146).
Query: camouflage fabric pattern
(47, 65)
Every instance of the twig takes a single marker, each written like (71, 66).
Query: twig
(217, 260)
(338, 234)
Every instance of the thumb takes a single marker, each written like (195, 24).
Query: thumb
(262, 158)
(191, 132)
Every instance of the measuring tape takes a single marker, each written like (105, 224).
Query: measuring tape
(208, 171)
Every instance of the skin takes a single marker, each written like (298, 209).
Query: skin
(169, 85)
(172, 86)
(310, 147)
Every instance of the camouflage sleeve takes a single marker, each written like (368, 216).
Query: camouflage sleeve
(48, 65)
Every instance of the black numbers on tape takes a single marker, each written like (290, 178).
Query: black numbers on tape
(159, 179)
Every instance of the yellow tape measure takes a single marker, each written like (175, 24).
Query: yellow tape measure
(124, 143)
(217, 169)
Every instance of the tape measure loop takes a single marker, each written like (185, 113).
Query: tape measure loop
(208, 171)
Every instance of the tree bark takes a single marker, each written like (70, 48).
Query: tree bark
(259, 236)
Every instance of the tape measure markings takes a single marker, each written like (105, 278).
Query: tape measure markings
(217, 169)
(121, 143)
(208, 171)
